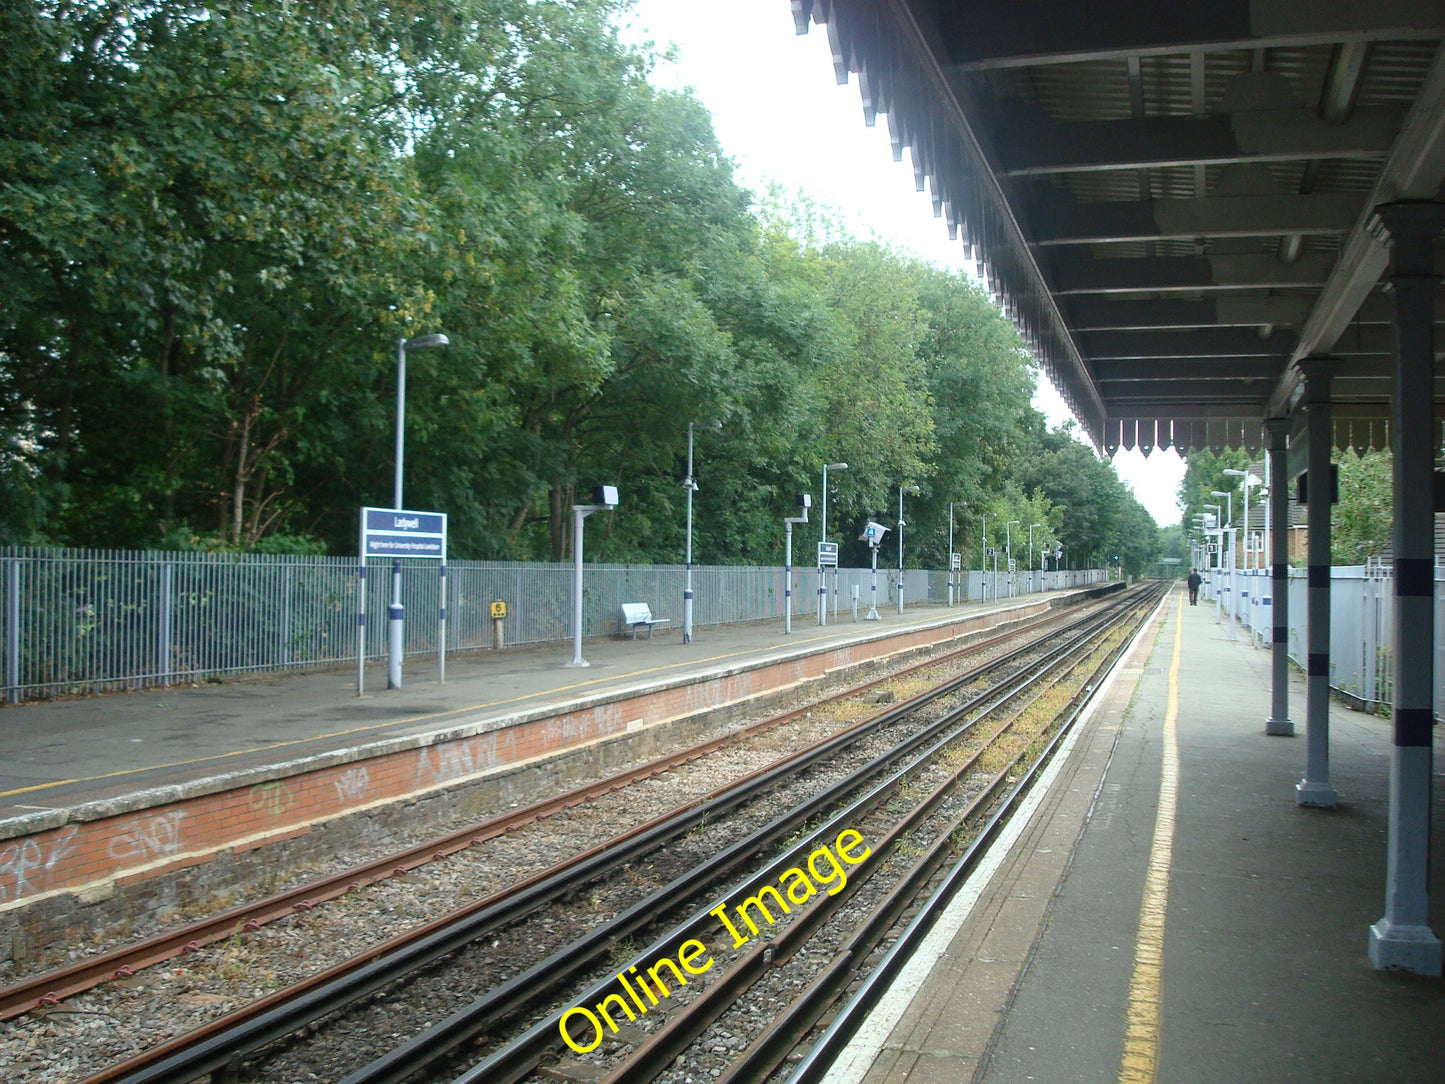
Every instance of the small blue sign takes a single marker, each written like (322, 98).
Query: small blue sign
(828, 554)
(391, 532)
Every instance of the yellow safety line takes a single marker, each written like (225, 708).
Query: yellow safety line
(1143, 1019)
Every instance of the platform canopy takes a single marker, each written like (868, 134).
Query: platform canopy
(1173, 201)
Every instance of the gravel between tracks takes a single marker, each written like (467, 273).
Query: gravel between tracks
(123, 1017)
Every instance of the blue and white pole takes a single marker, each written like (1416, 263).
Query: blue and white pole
(396, 614)
(1402, 938)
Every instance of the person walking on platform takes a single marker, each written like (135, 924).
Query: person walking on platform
(1194, 581)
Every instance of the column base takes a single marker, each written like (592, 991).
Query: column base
(577, 662)
(1317, 795)
(1404, 948)
(1281, 728)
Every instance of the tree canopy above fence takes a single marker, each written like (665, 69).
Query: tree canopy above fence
(219, 221)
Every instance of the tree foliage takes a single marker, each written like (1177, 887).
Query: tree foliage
(218, 222)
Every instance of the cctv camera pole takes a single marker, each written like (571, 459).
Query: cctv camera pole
(873, 534)
(805, 501)
(608, 501)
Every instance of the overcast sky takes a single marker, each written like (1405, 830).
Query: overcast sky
(780, 115)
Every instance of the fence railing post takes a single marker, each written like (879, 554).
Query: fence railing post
(163, 638)
(12, 629)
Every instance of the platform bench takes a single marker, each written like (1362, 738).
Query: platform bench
(638, 614)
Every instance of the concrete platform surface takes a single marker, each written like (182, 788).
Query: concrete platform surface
(1254, 963)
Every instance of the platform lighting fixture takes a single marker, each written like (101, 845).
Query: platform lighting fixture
(1008, 554)
(902, 490)
(396, 615)
(604, 499)
(804, 501)
(690, 484)
(1248, 481)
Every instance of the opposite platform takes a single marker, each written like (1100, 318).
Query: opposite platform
(1243, 957)
(63, 754)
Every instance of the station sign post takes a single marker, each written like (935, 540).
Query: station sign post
(398, 533)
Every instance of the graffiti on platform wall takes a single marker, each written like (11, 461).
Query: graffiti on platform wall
(273, 798)
(352, 784)
(26, 864)
(148, 837)
(455, 760)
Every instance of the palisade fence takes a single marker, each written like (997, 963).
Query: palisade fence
(85, 621)
(1362, 625)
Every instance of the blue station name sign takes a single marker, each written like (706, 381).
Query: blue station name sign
(392, 532)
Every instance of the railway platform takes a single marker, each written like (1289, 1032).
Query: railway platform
(1168, 912)
(71, 755)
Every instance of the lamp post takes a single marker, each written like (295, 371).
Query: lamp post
(690, 484)
(1228, 495)
(805, 501)
(822, 584)
(1031, 554)
(1008, 554)
(1218, 565)
(604, 499)
(396, 615)
(901, 491)
(1249, 480)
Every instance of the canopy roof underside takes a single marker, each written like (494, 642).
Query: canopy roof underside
(1172, 202)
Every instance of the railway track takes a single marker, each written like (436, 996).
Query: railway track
(913, 738)
(47, 989)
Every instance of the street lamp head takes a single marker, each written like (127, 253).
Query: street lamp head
(835, 466)
(714, 424)
(910, 489)
(423, 342)
(1220, 493)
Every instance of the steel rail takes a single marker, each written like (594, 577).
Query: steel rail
(49, 988)
(219, 1043)
(519, 1057)
(821, 1055)
(777, 1040)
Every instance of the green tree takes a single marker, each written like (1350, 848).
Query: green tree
(1363, 521)
(199, 212)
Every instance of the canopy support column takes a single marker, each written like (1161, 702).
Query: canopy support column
(1315, 789)
(1279, 723)
(1403, 939)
